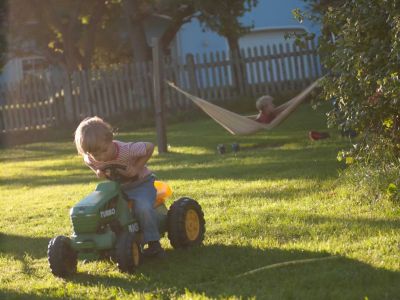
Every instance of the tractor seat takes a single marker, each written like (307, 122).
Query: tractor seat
(163, 192)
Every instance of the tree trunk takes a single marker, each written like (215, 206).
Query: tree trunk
(182, 17)
(137, 34)
(169, 35)
(141, 49)
(98, 11)
(71, 56)
(238, 66)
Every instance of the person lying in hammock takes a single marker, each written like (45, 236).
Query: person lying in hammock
(245, 125)
(266, 109)
(268, 112)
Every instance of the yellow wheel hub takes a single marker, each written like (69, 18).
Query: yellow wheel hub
(135, 254)
(192, 224)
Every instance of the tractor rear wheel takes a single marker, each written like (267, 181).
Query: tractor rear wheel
(62, 258)
(128, 253)
(186, 225)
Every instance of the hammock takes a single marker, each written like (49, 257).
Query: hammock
(243, 125)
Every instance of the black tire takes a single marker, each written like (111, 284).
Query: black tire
(186, 224)
(128, 253)
(62, 258)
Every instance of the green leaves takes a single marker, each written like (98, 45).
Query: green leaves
(85, 19)
(298, 15)
(223, 16)
(393, 191)
(346, 157)
(360, 46)
(388, 123)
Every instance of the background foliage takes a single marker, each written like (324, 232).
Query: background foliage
(94, 33)
(360, 50)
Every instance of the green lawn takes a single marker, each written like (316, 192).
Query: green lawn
(275, 201)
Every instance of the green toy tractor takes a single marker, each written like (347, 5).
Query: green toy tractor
(104, 226)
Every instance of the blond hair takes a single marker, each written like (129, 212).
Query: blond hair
(264, 101)
(91, 134)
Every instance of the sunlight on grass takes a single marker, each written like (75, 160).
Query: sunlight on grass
(276, 200)
(188, 150)
(291, 146)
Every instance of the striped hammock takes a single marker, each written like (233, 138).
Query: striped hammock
(244, 125)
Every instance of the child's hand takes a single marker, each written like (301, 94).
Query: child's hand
(131, 171)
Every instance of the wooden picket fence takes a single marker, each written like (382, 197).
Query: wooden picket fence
(41, 102)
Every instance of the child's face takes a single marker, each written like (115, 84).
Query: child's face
(268, 107)
(105, 152)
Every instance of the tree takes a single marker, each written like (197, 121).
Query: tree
(63, 31)
(81, 34)
(223, 17)
(3, 31)
(180, 12)
(360, 47)
(3, 52)
(137, 12)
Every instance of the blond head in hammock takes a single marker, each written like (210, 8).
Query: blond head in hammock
(266, 109)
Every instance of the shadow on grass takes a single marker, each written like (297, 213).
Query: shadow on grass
(306, 226)
(273, 164)
(19, 246)
(211, 271)
(83, 177)
(36, 152)
(23, 249)
(11, 294)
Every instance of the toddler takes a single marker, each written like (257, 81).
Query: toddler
(94, 141)
(266, 109)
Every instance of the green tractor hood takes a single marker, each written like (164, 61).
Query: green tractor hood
(96, 208)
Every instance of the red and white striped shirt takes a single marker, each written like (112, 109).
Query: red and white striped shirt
(127, 154)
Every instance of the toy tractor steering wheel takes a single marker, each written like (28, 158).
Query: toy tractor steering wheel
(112, 173)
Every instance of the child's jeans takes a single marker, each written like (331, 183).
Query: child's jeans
(143, 197)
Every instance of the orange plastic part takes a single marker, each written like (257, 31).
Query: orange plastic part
(163, 192)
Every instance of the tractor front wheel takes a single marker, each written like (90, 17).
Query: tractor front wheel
(186, 225)
(128, 254)
(62, 258)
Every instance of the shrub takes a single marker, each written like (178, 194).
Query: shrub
(360, 49)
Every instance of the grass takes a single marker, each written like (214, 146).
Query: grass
(276, 200)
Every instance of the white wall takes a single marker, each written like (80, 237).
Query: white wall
(268, 36)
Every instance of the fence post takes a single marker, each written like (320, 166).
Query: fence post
(158, 98)
(191, 72)
(69, 112)
(238, 68)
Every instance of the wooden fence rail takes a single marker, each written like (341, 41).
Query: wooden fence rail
(40, 102)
